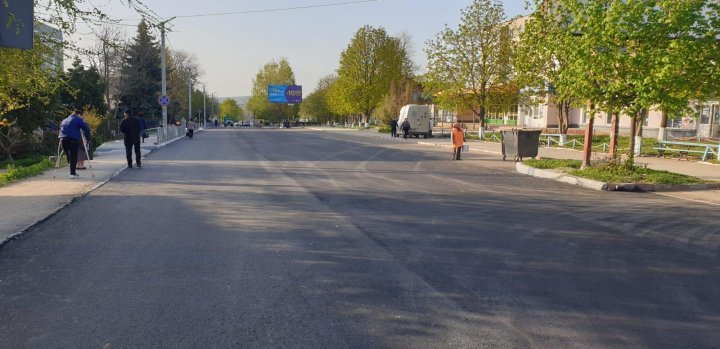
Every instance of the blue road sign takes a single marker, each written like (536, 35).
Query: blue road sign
(164, 100)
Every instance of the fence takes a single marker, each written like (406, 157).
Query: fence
(172, 133)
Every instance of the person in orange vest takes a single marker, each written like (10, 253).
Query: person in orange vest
(457, 136)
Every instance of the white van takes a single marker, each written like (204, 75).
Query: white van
(420, 120)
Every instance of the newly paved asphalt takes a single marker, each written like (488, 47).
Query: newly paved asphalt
(304, 239)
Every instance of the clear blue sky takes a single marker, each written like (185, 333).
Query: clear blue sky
(232, 48)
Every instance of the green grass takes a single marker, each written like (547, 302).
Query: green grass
(24, 168)
(553, 163)
(615, 172)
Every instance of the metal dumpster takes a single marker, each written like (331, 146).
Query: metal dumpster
(519, 144)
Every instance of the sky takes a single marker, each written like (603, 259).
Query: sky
(230, 49)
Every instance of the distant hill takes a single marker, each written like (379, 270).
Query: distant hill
(242, 100)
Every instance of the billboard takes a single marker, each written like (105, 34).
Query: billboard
(16, 24)
(284, 94)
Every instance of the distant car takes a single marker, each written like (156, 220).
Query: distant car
(228, 123)
(237, 124)
(246, 124)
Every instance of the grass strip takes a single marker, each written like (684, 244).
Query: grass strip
(613, 172)
(24, 169)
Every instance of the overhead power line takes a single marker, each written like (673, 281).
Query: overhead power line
(215, 14)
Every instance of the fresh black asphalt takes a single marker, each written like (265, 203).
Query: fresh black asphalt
(307, 239)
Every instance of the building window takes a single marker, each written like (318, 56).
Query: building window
(705, 116)
(608, 118)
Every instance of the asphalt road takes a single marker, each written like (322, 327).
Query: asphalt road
(305, 239)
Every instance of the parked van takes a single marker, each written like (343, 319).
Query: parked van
(419, 117)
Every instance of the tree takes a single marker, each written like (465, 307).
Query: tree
(183, 69)
(541, 61)
(370, 63)
(405, 91)
(315, 105)
(141, 84)
(230, 107)
(83, 88)
(464, 65)
(273, 73)
(28, 85)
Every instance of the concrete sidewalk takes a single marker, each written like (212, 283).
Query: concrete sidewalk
(32, 200)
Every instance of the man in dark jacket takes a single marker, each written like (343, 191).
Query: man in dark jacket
(130, 127)
(393, 128)
(405, 126)
(71, 138)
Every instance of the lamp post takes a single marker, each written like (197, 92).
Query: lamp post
(164, 75)
(204, 110)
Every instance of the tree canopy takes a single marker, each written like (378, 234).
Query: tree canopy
(273, 73)
(370, 63)
(466, 63)
(141, 81)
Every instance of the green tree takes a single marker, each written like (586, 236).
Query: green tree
(370, 63)
(83, 88)
(141, 82)
(315, 106)
(273, 73)
(230, 107)
(466, 64)
(28, 85)
(541, 60)
(405, 91)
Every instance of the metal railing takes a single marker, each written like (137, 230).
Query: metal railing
(172, 133)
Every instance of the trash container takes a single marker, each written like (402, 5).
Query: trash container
(520, 144)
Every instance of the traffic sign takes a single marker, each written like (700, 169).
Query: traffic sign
(164, 100)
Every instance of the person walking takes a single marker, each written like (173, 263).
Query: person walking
(83, 150)
(143, 126)
(130, 127)
(71, 137)
(457, 137)
(405, 127)
(190, 128)
(393, 128)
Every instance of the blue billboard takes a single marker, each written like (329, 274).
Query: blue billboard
(284, 94)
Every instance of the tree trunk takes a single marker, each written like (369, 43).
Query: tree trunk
(633, 131)
(587, 148)
(614, 133)
(481, 129)
(662, 135)
(639, 131)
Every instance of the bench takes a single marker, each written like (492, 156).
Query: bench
(686, 148)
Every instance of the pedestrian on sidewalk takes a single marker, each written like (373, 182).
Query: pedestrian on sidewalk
(82, 154)
(405, 126)
(143, 126)
(457, 137)
(190, 128)
(71, 138)
(130, 127)
(393, 128)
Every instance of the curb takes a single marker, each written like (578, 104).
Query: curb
(597, 185)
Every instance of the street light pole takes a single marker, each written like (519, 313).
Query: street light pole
(204, 110)
(189, 98)
(164, 76)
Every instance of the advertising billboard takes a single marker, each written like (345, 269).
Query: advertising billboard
(284, 94)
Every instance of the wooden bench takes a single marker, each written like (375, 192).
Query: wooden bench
(686, 148)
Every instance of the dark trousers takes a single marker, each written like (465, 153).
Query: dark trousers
(129, 145)
(393, 132)
(70, 147)
(190, 133)
(456, 153)
(406, 133)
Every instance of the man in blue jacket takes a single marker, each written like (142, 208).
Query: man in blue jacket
(71, 138)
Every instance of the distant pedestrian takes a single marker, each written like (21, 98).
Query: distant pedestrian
(71, 138)
(405, 127)
(190, 128)
(457, 136)
(393, 128)
(143, 126)
(130, 127)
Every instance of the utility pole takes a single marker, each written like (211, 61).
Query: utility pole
(204, 110)
(164, 76)
(189, 97)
